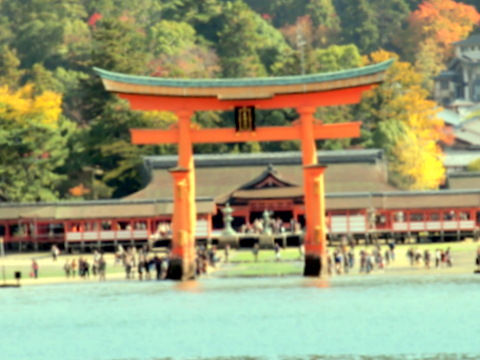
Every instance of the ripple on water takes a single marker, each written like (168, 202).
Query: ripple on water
(349, 317)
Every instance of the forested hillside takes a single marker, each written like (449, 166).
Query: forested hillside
(63, 137)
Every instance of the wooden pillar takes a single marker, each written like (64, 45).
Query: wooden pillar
(309, 150)
(309, 158)
(314, 198)
(185, 161)
(315, 236)
(182, 261)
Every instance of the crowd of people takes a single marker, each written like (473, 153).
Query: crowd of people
(442, 258)
(141, 263)
(84, 269)
(342, 260)
(145, 265)
(208, 257)
(268, 225)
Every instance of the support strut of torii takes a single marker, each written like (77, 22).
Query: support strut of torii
(185, 97)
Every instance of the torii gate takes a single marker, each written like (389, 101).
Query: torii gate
(184, 97)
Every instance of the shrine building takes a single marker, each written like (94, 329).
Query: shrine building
(255, 182)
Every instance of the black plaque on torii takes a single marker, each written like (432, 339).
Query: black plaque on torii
(245, 118)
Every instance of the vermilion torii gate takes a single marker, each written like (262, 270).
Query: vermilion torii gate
(184, 97)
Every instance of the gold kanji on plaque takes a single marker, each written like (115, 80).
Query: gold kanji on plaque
(245, 118)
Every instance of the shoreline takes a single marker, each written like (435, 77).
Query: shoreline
(120, 278)
(413, 273)
(241, 265)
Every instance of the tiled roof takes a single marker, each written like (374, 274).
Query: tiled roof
(471, 40)
(464, 180)
(450, 117)
(98, 209)
(467, 136)
(460, 158)
(445, 74)
(244, 82)
(217, 181)
(441, 199)
(265, 159)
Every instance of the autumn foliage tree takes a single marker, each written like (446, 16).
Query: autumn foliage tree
(33, 137)
(432, 28)
(402, 120)
(419, 158)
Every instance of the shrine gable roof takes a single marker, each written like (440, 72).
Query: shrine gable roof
(270, 178)
(218, 176)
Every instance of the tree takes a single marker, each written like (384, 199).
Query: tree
(10, 74)
(336, 58)
(419, 158)
(247, 44)
(413, 4)
(326, 21)
(177, 53)
(281, 12)
(399, 118)
(391, 16)
(194, 12)
(33, 138)
(433, 28)
(474, 166)
(310, 60)
(145, 12)
(108, 145)
(119, 46)
(358, 23)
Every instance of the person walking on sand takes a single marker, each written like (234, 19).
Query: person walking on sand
(35, 268)
(477, 259)
(255, 252)
(73, 267)
(438, 257)
(426, 258)
(277, 252)
(55, 252)
(226, 252)
(102, 267)
(67, 268)
(448, 258)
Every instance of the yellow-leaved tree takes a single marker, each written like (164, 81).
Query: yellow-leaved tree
(419, 158)
(33, 144)
(403, 121)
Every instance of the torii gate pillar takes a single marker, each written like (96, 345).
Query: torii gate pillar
(315, 240)
(182, 259)
(315, 232)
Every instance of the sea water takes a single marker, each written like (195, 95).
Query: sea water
(356, 317)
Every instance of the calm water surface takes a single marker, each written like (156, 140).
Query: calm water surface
(423, 317)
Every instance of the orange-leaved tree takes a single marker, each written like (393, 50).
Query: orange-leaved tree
(432, 28)
(402, 120)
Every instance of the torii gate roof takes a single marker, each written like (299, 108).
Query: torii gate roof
(243, 88)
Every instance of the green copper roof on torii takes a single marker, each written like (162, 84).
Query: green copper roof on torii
(245, 82)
